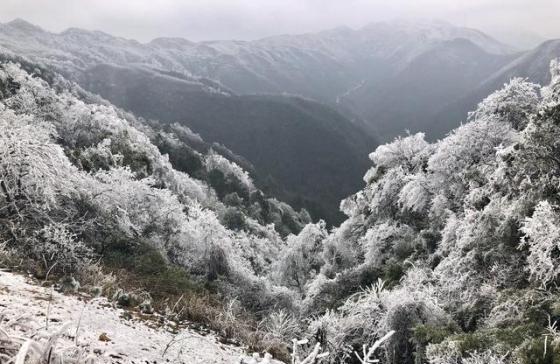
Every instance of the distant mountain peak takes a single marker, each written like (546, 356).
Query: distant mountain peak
(24, 25)
(435, 30)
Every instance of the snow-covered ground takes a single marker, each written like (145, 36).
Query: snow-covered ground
(104, 330)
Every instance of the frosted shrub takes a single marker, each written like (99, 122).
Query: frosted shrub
(60, 249)
(137, 207)
(406, 152)
(447, 352)
(542, 237)
(282, 325)
(515, 104)
(99, 157)
(415, 195)
(486, 357)
(465, 158)
(381, 240)
(327, 327)
(376, 311)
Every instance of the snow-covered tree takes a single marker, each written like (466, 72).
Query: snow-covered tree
(34, 171)
(301, 260)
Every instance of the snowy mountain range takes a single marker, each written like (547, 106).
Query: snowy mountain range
(361, 72)
(266, 65)
(268, 100)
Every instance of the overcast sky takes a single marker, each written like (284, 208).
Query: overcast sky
(249, 19)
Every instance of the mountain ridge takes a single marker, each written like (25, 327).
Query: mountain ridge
(365, 74)
(532, 65)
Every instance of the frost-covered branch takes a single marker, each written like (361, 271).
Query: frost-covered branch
(312, 358)
(367, 354)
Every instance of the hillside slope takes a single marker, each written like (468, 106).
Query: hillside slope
(86, 194)
(411, 97)
(456, 241)
(303, 152)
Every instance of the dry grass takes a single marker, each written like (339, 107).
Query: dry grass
(194, 307)
(24, 350)
(205, 312)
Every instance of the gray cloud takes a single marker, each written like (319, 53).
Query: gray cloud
(249, 19)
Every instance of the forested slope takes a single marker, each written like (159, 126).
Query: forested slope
(452, 245)
(457, 241)
(86, 194)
